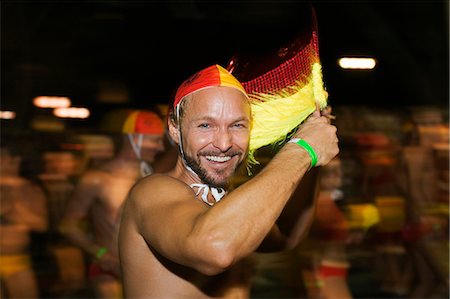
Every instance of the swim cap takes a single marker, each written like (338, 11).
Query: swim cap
(144, 122)
(214, 75)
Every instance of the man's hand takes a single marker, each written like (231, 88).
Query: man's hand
(327, 113)
(318, 132)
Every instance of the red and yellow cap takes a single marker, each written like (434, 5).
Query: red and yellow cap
(214, 75)
(143, 122)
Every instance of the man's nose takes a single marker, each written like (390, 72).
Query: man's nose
(223, 140)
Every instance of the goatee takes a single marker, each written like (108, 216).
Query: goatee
(203, 174)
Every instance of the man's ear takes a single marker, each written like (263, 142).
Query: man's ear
(174, 133)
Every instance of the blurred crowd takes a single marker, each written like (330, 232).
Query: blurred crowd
(381, 216)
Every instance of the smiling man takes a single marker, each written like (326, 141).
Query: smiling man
(182, 234)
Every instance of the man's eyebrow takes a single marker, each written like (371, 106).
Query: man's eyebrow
(244, 118)
(203, 118)
(211, 119)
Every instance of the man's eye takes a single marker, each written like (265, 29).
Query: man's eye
(240, 125)
(203, 125)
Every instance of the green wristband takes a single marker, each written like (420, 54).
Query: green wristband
(308, 148)
(101, 252)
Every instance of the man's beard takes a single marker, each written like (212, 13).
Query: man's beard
(203, 174)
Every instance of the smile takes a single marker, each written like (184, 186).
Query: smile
(218, 159)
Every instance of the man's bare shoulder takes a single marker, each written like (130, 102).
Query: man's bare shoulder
(159, 188)
(93, 177)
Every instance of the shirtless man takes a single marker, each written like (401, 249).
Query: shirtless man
(177, 240)
(23, 209)
(99, 195)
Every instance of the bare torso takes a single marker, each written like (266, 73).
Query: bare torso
(149, 275)
(22, 210)
(113, 188)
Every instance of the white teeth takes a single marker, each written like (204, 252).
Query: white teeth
(218, 159)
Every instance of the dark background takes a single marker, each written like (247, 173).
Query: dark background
(143, 49)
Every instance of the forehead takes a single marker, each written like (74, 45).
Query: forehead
(218, 100)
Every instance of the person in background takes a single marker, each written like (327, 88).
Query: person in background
(183, 234)
(329, 236)
(91, 218)
(23, 210)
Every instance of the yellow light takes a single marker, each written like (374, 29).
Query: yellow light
(51, 102)
(71, 112)
(357, 63)
(7, 114)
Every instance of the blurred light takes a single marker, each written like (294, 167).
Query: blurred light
(51, 102)
(71, 112)
(231, 66)
(7, 114)
(357, 63)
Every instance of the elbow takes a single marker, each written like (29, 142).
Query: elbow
(222, 260)
(211, 270)
(216, 265)
(215, 257)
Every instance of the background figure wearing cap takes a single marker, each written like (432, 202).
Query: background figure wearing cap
(182, 235)
(98, 198)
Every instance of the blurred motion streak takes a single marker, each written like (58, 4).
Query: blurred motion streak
(7, 114)
(71, 112)
(51, 102)
(357, 63)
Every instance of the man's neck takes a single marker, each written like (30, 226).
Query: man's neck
(183, 174)
(203, 191)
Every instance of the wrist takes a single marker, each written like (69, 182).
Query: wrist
(305, 145)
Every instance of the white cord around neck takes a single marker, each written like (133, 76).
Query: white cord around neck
(217, 193)
(145, 168)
